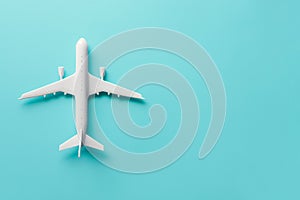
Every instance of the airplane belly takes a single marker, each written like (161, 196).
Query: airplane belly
(81, 114)
(81, 107)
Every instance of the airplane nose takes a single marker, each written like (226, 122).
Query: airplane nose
(81, 43)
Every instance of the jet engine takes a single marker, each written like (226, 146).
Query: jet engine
(102, 72)
(61, 72)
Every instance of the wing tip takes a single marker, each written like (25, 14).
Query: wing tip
(138, 96)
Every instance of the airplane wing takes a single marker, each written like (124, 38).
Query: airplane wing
(98, 85)
(65, 85)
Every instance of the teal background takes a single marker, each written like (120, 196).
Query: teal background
(255, 45)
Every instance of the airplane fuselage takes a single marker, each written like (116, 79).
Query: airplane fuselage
(81, 89)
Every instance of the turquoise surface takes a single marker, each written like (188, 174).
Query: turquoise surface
(255, 45)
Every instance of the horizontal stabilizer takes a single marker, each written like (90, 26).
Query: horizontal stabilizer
(72, 142)
(90, 142)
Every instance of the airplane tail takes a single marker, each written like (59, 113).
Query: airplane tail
(90, 142)
(76, 141)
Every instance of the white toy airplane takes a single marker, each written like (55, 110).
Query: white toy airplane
(81, 85)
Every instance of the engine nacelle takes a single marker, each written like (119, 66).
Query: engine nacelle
(61, 72)
(102, 72)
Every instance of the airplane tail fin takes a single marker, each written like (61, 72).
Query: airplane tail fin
(90, 142)
(76, 141)
(72, 142)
